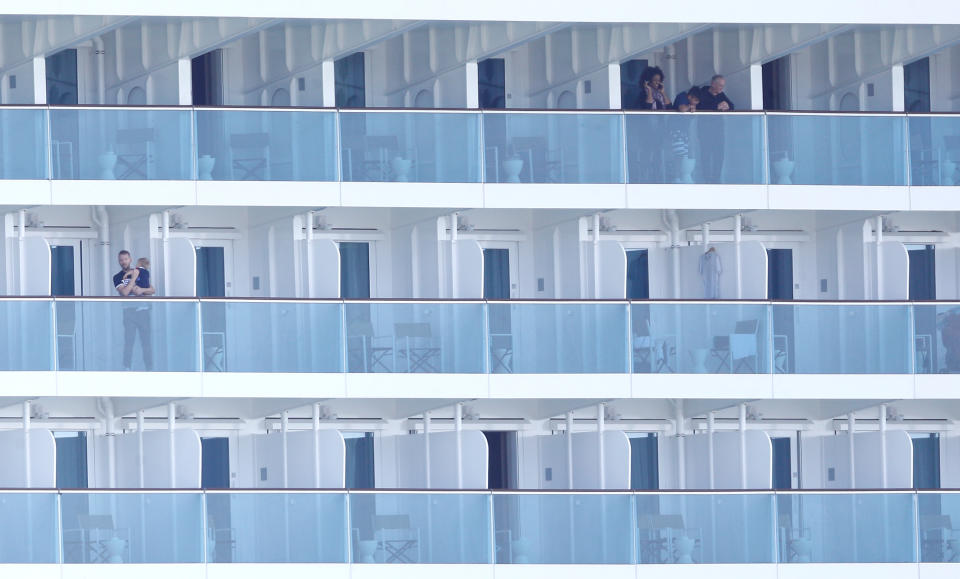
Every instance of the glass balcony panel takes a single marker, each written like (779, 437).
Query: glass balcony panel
(838, 149)
(132, 527)
(421, 147)
(127, 334)
(23, 147)
(267, 145)
(35, 542)
(695, 148)
(271, 336)
(679, 528)
(700, 338)
(558, 338)
(26, 341)
(937, 338)
(404, 528)
(847, 528)
(415, 337)
(934, 150)
(581, 529)
(116, 143)
(939, 539)
(841, 338)
(268, 527)
(553, 148)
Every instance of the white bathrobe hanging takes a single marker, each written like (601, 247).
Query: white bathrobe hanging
(710, 270)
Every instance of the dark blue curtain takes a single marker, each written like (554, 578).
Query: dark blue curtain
(926, 462)
(62, 271)
(780, 274)
(496, 274)
(782, 468)
(215, 462)
(644, 462)
(923, 273)
(638, 275)
(360, 464)
(354, 270)
(211, 280)
(349, 81)
(72, 461)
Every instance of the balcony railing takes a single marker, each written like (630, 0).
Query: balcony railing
(480, 527)
(464, 146)
(478, 337)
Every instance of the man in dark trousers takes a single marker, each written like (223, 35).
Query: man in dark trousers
(134, 282)
(712, 138)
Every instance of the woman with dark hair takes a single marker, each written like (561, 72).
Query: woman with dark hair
(655, 96)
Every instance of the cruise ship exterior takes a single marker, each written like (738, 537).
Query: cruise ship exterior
(501, 291)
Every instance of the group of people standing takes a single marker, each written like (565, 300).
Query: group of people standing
(710, 128)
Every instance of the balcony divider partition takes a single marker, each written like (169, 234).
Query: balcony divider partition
(468, 146)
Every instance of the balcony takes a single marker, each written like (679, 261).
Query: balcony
(217, 347)
(736, 533)
(463, 158)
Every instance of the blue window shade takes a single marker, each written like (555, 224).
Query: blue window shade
(354, 270)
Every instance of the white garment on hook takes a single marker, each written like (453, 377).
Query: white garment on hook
(710, 270)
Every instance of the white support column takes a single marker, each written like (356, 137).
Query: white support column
(426, 446)
(141, 479)
(883, 445)
(40, 80)
(851, 428)
(596, 256)
(681, 454)
(458, 428)
(284, 430)
(743, 445)
(308, 240)
(737, 239)
(601, 454)
(570, 450)
(316, 445)
(756, 87)
(898, 99)
(613, 86)
(454, 265)
(329, 83)
(710, 450)
(185, 81)
(171, 424)
(878, 258)
(472, 72)
(705, 234)
(27, 467)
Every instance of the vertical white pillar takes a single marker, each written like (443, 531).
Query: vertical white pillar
(328, 78)
(570, 450)
(878, 258)
(851, 428)
(898, 99)
(426, 446)
(681, 451)
(22, 251)
(185, 81)
(308, 239)
(40, 80)
(284, 430)
(27, 467)
(613, 86)
(557, 265)
(737, 239)
(883, 445)
(141, 479)
(472, 72)
(705, 234)
(171, 424)
(756, 87)
(601, 417)
(710, 449)
(454, 269)
(596, 256)
(316, 445)
(743, 445)
(458, 428)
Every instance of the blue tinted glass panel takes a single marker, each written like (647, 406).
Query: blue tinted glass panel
(23, 154)
(934, 150)
(420, 528)
(937, 341)
(836, 149)
(553, 148)
(116, 143)
(938, 538)
(695, 148)
(270, 145)
(269, 527)
(36, 542)
(26, 335)
(420, 147)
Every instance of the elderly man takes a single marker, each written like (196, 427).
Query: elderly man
(712, 137)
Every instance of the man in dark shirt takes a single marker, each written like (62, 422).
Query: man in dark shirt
(712, 137)
(134, 282)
